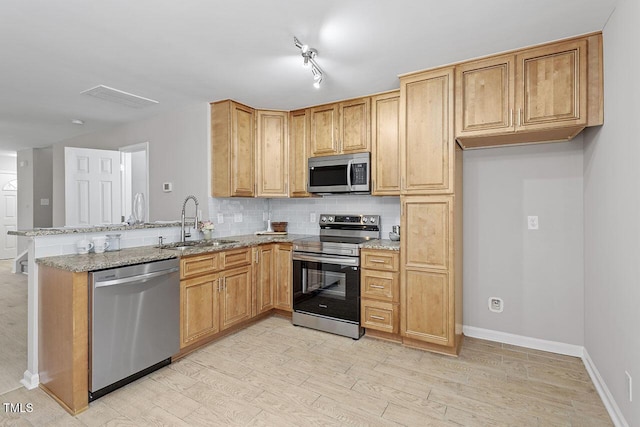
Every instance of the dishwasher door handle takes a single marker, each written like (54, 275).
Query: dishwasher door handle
(138, 278)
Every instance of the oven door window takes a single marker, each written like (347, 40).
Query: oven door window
(331, 290)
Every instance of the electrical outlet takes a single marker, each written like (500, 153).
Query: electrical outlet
(496, 304)
(532, 222)
(312, 217)
(220, 218)
(629, 385)
(265, 216)
(237, 217)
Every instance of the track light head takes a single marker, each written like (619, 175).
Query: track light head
(308, 56)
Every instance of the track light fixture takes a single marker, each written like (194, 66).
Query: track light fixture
(309, 54)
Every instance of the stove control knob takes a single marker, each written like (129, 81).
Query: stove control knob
(323, 219)
(365, 219)
(372, 219)
(330, 219)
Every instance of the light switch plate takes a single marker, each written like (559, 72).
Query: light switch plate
(44, 202)
(532, 222)
(167, 187)
(237, 217)
(220, 218)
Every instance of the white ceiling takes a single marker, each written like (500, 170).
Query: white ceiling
(184, 52)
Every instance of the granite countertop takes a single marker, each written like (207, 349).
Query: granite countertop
(384, 244)
(142, 254)
(92, 229)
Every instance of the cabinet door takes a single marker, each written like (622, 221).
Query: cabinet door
(298, 149)
(324, 130)
(385, 140)
(265, 277)
(552, 86)
(426, 132)
(242, 151)
(272, 154)
(198, 308)
(427, 279)
(485, 96)
(235, 302)
(283, 267)
(355, 128)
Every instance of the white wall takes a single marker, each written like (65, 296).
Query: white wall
(538, 273)
(178, 147)
(612, 212)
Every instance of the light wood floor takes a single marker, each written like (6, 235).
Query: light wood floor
(13, 327)
(275, 374)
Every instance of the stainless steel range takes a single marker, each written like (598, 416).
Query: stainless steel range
(326, 274)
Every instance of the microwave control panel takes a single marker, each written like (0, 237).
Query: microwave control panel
(359, 171)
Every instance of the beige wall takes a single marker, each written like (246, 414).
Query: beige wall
(178, 153)
(612, 216)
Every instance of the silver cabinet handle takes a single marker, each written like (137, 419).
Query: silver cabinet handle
(377, 317)
(376, 286)
(325, 259)
(511, 117)
(378, 261)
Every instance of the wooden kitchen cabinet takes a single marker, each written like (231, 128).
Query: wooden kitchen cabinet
(340, 128)
(272, 153)
(235, 296)
(380, 292)
(299, 132)
(283, 277)
(265, 281)
(544, 93)
(232, 149)
(199, 308)
(426, 132)
(385, 143)
(431, 279)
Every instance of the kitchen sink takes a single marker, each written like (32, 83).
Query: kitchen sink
(180, 246)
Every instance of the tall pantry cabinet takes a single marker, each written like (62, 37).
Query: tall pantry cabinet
(431, 213)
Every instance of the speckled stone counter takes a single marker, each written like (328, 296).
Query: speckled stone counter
(142, 254)
(383, 244)
(93, 229)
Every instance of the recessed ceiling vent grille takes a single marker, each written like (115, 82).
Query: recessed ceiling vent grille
(118, 96)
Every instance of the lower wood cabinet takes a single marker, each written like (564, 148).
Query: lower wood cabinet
(264, 271)
(380, 291)
(212, 297)
(283, 299)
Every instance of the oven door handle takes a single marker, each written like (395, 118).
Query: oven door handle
(328, 260)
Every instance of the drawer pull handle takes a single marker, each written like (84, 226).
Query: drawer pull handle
(373, 316)
(376, 286)
(378, 261)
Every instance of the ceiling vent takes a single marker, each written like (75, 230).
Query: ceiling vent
(120, 97)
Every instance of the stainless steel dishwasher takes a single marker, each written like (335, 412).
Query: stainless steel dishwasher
(135, 323)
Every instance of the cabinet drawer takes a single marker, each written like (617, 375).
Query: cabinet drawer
(236, 258)
(195, 265)
(380, 260)
(381, 316)
(381, 285)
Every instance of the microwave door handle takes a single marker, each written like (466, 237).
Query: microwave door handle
(349, 163)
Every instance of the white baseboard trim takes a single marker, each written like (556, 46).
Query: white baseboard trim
(30, 380)
(522, 341)
(606, 396)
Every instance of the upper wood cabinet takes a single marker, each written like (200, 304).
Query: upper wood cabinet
(426, 132)
(298, 150)
(272, 153)
(232, 148)
(545, 93)
(340, 128)
(385, 143)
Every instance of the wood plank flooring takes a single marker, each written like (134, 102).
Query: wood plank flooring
(276, 374)
(13, 327)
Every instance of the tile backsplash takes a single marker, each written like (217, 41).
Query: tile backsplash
(297, 212)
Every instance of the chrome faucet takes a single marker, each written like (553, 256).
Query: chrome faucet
(183, 234)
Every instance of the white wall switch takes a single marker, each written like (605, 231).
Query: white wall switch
(220, 218)
(312, 217)
(167, 187)
(237, 217)
(532, 222)
(44, 202)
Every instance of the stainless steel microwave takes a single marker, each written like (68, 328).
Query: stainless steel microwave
(347, 173)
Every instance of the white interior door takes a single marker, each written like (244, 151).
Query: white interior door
(92, 186)
(8, 214)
